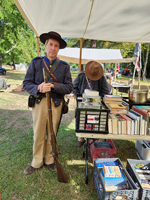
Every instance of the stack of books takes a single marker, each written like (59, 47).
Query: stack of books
(144, 176)
(91, 99)
(114, 103)
(112, 98)
(114, 179)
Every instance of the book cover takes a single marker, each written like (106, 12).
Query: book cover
(128, 124)
(123, 125)
(114, 123)
(119, 127)
(132, 124)
(108, 97)
(144, 114)
(144, 108)
(110, 124)
(114, 106)
(112, 181)
(135, 122)
(140, 121)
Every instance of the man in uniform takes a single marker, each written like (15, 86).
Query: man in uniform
(34, 84)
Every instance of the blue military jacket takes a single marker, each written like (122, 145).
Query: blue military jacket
(80, 83)
(34, 77)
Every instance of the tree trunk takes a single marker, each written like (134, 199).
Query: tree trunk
(1, 56)
(93, 44)
(145, 64)
(13, 65)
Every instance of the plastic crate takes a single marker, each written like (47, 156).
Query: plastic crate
(143, 149)
(130, 194)
(92, 120)
(105, 149)
(144, 194)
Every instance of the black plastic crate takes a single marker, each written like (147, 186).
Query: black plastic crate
(130, 194)
(92, 120)
(144, 194)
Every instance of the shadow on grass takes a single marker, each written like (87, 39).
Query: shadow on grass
(16, 137)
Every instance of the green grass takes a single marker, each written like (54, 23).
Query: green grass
(16, 138)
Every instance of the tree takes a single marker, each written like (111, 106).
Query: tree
(15, 35)
(145, 64)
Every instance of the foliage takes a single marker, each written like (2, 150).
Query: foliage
(15, 31)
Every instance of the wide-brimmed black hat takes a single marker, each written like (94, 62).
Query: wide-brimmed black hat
(93, 70)
(55, 36)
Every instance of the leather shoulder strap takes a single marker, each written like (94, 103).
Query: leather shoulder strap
(55, 65)
(50, 73)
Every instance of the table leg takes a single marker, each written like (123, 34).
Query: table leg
(86, 159)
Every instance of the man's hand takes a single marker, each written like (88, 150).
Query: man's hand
(45, 87)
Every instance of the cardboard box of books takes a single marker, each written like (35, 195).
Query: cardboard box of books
(112, 180)
(139, 170)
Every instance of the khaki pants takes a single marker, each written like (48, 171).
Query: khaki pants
(42, 147)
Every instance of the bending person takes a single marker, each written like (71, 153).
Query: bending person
(92, 78)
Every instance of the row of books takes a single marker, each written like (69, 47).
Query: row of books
(144, 176)
(132, 123)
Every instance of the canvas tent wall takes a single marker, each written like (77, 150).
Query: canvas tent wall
(115, 20)
(100, 55)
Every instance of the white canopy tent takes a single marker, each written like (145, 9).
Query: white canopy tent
(115, 20)
(100, 55)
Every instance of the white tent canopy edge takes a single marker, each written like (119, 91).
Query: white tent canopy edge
(115, 20)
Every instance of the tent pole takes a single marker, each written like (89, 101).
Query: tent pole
(139, 75)
(80, 55)
(37, 42)
(134, 71)
(115, 70)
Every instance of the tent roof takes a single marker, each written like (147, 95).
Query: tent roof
(115, 20)
(100, 55)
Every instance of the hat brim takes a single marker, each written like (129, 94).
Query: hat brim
(88, 74)
(46, 36)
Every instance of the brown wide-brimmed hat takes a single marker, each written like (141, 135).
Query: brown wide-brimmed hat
(55, 36)
(93, 70)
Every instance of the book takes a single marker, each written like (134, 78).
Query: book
(116, 187)
(111, 171)
(123, 125)
(128, 124)
(145, 115)
(132, 125)
(109, 97)
(114, 106)
(92, 93)
(144, 108)
(112, 181)
(119, 127)
(135, 121)
(114, 123)
(110, 124)
(140, 121)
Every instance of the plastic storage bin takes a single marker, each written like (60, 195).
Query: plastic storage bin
(130, 194)
(105, 149)
(143, 149)
(92, 120)
(144, 194)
